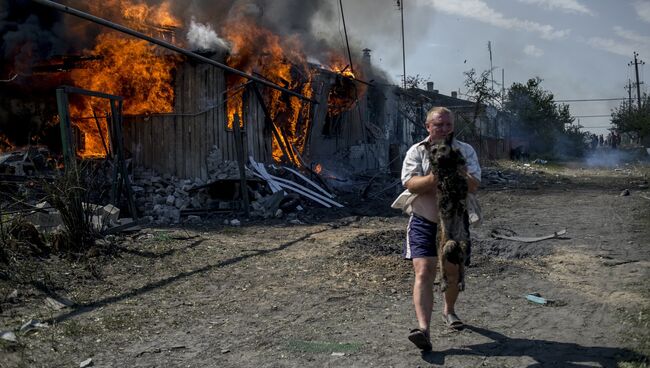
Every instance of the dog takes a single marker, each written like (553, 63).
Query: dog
(447, 164)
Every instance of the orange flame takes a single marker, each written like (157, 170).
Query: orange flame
(127, 67)
(5, 144)
(258, 50)
(344, 93)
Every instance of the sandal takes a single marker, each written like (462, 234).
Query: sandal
(452, 321)
(420, 338)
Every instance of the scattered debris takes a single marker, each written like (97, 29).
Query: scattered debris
(557, 234)
(12, 296)
(8, 336)
(338, 354)
(86, 363)
(59, 303)
(625, 193)
(537, 298)
(32, 324)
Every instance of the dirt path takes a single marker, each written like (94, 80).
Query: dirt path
(334, 293)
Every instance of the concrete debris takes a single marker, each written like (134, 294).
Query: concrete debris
(86, 363)
(45, 218)
(625, 193)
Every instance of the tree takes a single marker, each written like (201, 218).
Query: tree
(546, 125)
(479, 91)
(631, 119)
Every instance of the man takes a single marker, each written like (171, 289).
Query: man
(420, 201)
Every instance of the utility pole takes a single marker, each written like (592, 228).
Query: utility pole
(491, 75)
(400, 3)
(345, 30)
(503, 86)
(638, 84)
(629, 95)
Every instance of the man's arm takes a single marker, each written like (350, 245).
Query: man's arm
(421, 184)
(472, 183)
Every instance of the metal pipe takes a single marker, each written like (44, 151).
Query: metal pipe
(167, 45)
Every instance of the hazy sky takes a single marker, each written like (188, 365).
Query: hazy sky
(580, 48)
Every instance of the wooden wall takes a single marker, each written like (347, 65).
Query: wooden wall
(353, 144)
(179, 143)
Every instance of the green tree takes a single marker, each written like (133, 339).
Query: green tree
(480, 91)
(634, 120)
(548, 126)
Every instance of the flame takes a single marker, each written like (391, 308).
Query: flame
(5, 144)
(136, 14)
(344, 93)
(127, 67)
(258, 50)
(338, 66)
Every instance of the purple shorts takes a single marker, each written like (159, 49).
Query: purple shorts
(421, 238)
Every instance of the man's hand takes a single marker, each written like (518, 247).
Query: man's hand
(472, 182)
(421, 184)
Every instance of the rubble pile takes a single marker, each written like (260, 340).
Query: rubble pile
(492, 176)
(167, 199)
(164, 196)
(28, 161)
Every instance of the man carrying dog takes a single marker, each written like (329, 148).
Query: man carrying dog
(419, 199)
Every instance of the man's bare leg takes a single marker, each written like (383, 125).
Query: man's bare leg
(425, 273)
(451, 294)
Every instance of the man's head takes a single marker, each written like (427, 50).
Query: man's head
(440, 123)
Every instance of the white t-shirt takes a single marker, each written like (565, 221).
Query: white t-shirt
(416, 163)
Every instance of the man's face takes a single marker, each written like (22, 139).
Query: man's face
(440, 125)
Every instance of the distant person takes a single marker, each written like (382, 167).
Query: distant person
(594, 142)
(615, 139)
(420, 200)
(601, 140)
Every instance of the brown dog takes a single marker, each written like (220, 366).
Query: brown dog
(447, 164)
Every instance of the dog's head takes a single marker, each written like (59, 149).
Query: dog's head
(443, 156)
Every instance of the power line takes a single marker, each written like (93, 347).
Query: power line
(593, 99)
(400, 3)
(345, 30)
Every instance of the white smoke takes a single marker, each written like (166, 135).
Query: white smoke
(203, 37)
(607, 158)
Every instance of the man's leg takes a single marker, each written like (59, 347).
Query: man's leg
(451, 294)
(425, 273)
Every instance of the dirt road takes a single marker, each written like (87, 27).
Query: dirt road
(333, 292)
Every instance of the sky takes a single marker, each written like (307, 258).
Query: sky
(580, 49)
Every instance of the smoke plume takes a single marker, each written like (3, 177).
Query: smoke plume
(203, 37)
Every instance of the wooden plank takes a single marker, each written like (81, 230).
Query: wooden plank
(187, 130)
(178, 145)
(242, 166)
(146, 147)
(195, 146)
(137, 139)
(165, 140)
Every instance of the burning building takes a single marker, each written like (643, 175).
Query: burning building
(178, 111)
